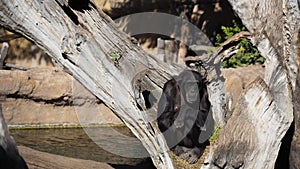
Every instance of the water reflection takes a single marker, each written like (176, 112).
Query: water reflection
(75, 143)
(118, 142)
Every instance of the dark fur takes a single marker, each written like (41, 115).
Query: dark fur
(174, 113)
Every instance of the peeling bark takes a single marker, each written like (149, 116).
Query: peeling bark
(251, 137)
(88, 45)
(260, 128)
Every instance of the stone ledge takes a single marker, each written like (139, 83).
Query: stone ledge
(37, 159)
(43, 96)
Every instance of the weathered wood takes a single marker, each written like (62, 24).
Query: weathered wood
(295, 145)
(88, 45)
(212, 64)
(182, 53)
(11, 66)
(3, 54)
(183, 48)
(223, 53)
(168, 51)
(275, 35)
(271, 24)
(250, 138)
(160, 49)
(171, 50)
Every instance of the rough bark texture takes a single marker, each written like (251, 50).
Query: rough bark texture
(295, 145)
(86, 43)
(250, 138)
(197, 42)
(258, 135)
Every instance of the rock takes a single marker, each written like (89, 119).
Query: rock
(237, 79)
(37, 159)
(40, 83)
(50, 96)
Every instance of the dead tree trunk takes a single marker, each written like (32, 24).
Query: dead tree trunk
(88, 45)
(259, 133)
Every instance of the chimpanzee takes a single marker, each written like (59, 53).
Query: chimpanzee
(182, 112)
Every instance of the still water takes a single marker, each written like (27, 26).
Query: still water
(115, 146)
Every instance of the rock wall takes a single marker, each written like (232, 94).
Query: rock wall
(237, 79)
(49, 96)
(207, 15)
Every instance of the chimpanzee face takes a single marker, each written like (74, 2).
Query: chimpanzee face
(191, 92)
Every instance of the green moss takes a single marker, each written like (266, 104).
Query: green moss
(115, 56)
(216, 134)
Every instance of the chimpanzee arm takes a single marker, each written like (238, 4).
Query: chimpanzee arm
(166, 104)
(203, 108)
(164, 114)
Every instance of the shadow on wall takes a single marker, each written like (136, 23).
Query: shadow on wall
(22, 52)
(208, 15)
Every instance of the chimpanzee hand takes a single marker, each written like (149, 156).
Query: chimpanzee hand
(186, 116)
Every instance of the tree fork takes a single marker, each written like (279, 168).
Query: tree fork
(87, 44)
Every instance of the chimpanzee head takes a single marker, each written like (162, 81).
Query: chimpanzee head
(190, 83)
(190, 91)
